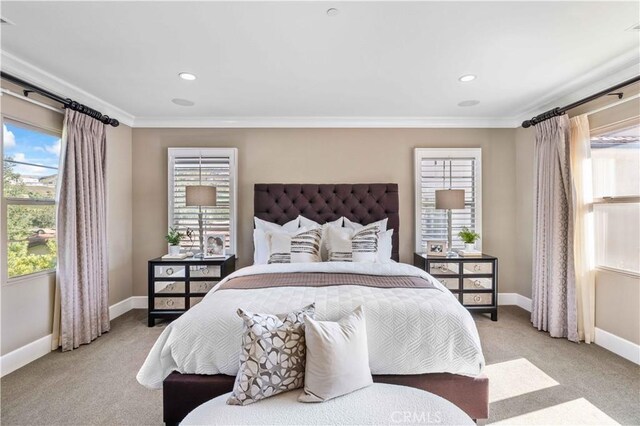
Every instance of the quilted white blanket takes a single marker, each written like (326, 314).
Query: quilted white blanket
(409, 330)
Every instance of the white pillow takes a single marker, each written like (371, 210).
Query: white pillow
(385, 241)
(382, 224)
(302, 246)
(324, 250)
(347, 245)
(260, 242)
(337, 357)
(385, 246)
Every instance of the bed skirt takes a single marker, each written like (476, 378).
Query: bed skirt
(184, 392)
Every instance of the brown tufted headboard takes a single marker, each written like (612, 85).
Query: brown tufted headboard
(362, 203)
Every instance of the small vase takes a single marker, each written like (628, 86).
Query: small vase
(174, 250)
(470, 247)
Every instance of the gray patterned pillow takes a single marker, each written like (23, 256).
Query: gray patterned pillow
(272, 357)
(303, 246)
(347, 245)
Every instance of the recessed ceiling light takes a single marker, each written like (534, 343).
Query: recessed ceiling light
(182, 102)
(471, 102)
(187, 76)
(332, 12)
(467, 77)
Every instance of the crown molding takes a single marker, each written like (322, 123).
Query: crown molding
(612, 72)
(26, 71)
(325, 122)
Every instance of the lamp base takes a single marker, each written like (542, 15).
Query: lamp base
(452, 253)
(198, 256)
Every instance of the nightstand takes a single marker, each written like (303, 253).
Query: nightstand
(473, 280)
(175, 285)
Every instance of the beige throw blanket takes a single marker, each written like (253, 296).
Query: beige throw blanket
(323, 279)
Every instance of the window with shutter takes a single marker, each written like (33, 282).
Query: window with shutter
(437, 168)
(203, 166)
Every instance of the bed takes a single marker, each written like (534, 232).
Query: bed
(419, 337)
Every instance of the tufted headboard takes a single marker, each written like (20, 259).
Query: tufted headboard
(362, 203)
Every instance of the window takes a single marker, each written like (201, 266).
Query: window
(615, 160)
(29, 178)
(439, 168)
(206, 166)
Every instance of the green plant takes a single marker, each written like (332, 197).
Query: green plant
(174, 237)
(468, 236)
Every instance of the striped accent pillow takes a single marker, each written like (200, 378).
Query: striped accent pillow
(346, 245)
(301, 247)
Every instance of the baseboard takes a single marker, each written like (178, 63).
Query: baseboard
(25, 354)
(515, 299)
(618, 345)
(139, 302)
(39, 348)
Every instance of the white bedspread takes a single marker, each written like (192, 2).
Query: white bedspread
(409, 330)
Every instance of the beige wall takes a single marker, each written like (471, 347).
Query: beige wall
(27, 303)
(322, 156)
(617, 295)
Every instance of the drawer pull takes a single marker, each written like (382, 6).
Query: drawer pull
(170, 302)
(477, 284)
(169, 271)
(476, 267)
(477, 298)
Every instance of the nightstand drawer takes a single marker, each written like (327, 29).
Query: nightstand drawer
(168, 303)
(477, 283)
(194, 301)
(164, 287)
(450, 283)
(444, 268)
(477, 299)
(469, 268)
(205, 271)
(169, 271)
(201, 286)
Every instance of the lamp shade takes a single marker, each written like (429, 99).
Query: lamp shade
(200, 196)
(449, 199)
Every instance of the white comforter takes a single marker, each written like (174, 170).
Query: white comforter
(409, 330)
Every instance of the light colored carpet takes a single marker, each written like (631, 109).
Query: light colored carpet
(534, 379)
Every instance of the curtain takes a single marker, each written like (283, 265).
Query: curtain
(583, 241)
(553, 288)
(81, 312)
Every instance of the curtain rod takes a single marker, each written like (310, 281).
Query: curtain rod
(66, 102)
(560, 111)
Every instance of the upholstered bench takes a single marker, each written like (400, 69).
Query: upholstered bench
(377, 404)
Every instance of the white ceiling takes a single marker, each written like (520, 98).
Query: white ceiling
(389, 62)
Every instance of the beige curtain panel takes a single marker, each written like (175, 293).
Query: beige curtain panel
(81, 311)
(553, 289)
(583, 239)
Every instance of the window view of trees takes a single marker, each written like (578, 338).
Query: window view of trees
(30, 171)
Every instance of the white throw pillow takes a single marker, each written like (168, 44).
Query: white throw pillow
(303, 246)
(385, 241)
(382, 224)
(347, 245)
(337, 357)
(260, 242)
(324, 250)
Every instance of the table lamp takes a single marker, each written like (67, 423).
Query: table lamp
(200, 196)
(449, 199)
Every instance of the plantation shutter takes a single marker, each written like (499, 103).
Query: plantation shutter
(441, 172)
(202, 167)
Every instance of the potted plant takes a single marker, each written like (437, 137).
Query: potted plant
(469, 237)
(173, 238)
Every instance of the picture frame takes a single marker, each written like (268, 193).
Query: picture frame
(437, 248)
(214, 245)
